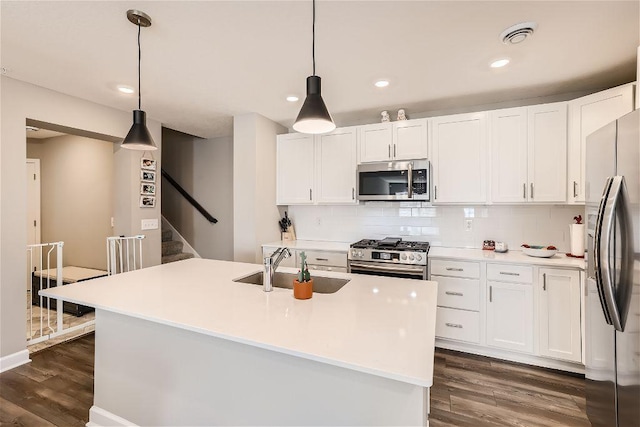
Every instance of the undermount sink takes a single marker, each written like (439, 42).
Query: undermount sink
(321, 285)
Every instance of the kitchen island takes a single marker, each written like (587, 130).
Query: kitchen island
(184, 344)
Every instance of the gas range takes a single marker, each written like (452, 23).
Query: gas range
(390, 250)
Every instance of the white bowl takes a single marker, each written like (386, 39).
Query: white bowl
(539, 251)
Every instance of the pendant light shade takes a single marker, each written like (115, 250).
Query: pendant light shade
(314, 116)
(139, 137)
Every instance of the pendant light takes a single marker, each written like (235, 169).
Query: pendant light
(314, 116)
(139, 137)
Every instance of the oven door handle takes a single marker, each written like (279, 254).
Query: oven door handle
(389, 269)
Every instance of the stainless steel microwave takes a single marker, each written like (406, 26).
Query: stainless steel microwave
(396, 180)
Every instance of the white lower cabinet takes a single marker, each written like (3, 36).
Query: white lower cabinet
(510, 316)
(559, 314)
(519, 312)
(460, 325)
(458, 312)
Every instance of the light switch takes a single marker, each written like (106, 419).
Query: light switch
(149, 224)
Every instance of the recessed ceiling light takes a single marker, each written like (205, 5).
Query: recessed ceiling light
(126, 89)
(292, 98)
(499, 63)
(382, 83)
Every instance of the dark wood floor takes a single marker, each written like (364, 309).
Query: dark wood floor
(56, 388)
(469, 391)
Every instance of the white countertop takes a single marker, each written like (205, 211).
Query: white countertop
(378, 325)
(311, 245)
(515, 257)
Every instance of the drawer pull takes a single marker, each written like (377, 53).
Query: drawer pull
(454, 325)
(322, 259)
(490, 293)
(458, 294)
(454, 269)
(507, 273)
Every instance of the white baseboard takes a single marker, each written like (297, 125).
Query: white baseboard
(577, 368)
(99, 417)
(14, 360)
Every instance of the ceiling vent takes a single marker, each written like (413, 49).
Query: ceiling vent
(518, 33)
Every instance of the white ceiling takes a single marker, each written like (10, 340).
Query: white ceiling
(205, 61)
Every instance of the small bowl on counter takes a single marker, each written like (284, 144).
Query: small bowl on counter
(539, 251)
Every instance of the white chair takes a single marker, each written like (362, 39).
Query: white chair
(124, 254)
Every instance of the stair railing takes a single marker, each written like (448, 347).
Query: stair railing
(189, 198)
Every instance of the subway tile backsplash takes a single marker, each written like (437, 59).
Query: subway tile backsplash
(439, 225)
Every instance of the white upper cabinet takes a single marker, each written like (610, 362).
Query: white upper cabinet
(586, 115)
(318, 169)
(375, 142)
(336, 167)
(547, 164)
(402, 140)
(458, 158)
(528, 154)
(410, 139)
(509, 180)
(295, 169)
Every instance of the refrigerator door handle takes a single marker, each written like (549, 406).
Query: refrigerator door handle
(616, 205)
(597, 256)
(625, 283)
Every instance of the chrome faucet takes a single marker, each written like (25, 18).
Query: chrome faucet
(271, 263)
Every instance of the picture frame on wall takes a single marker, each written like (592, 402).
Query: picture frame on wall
(147, 189)
(147, 176)
(147, 201)
(147, 164)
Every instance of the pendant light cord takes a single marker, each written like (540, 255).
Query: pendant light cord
(139, 59)
(313, 38)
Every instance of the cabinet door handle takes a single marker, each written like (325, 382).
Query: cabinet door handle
(507, 273)
(454, 269)
(524, 190)
(457, 294)
(310, 194)
(322, 259)
(490, 293)
(389, 146)
(544, 281)
(532, 191)
(435, 192)
(575, 189)
(394, 150)
(353, 193)
(454, 325)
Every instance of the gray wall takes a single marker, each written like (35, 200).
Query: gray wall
(77, 196)
(203, 167)
(22, 101)
(255, 212)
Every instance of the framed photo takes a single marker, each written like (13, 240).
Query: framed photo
(147, 189)
(147, 176)
(147, 164)
(147, 201)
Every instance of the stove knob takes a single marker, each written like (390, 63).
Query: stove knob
(418, 257)
(360, 254)
(411, 257)
(404, 256)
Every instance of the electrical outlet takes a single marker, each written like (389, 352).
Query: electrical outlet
(149, 224)
(318, 221)
(468, 225)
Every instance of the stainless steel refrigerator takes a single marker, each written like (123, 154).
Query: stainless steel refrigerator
(612, 336)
